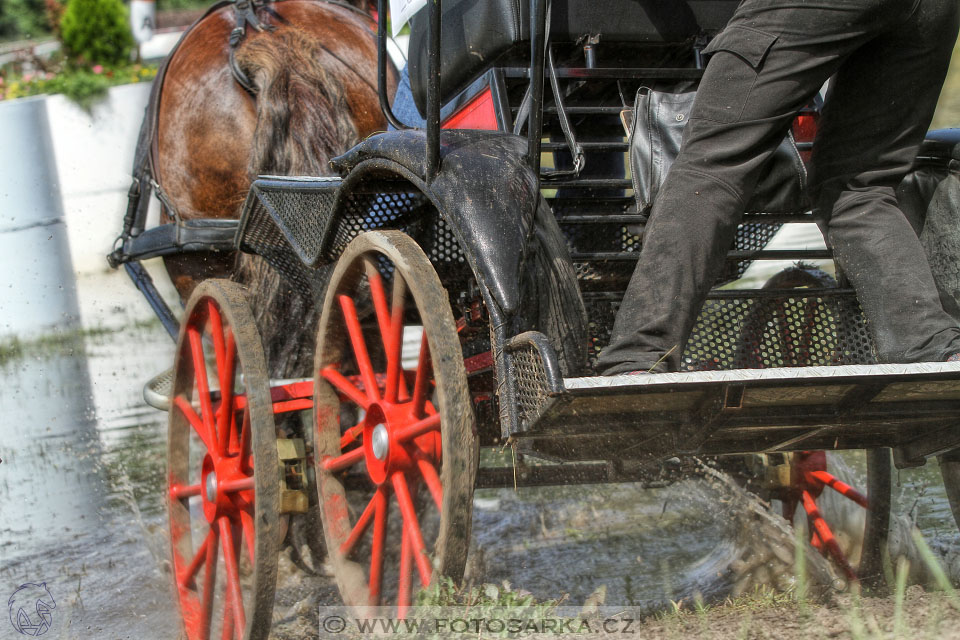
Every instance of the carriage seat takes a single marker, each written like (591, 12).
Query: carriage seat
(477, 32)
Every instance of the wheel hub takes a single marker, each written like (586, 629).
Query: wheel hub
(211, 486)
(384, 454)
(381, 441)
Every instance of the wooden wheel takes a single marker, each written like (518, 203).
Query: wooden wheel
(396, 446)
(791, 333)
(223, 480)
(950, 472)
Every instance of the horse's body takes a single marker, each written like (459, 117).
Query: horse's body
(316, 96)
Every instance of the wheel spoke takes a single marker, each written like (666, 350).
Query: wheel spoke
(187, 575)
(345, 387)
(244, 445)
(362, 523)
(350, 435)
(823, 531)
(203, 384)
(824, 477)
(249, 534)
(180, 491)
(379, 535)
(238, 484)
(406, 575)
(395, 345)
(187, 410)
(430, 423)
(432, 480)
(227, 632)
(359, 347)
(379, 296)
(421, 385)
(412, 525)
(227, 377)
(209, 584)
(341, 462)
(233, 573)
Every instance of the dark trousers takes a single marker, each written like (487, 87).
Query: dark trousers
(888, 59)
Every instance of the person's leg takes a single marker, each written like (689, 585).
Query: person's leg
(403, 105)
(876, 115)
(769, 62)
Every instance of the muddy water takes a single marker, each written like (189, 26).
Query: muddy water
(81, 510)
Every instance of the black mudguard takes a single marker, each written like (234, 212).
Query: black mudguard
(491, 199)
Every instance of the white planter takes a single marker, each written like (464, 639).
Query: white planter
(37, 293)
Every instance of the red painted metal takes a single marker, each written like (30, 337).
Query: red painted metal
(839, 486)
(418, 428)
(345, 387)
(826, 535)
(808, 479)
(805, 130)
(432, 480)
(406, 575)
(479, 362)
(360, 353)
(412, 526)
(223, 426)
(234, 592)
(421, 384)
(362, 523)
(412, 456)
(379, 537)
(344, 461)
(477, 113)
(209, 584)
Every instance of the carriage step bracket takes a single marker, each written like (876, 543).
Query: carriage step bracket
(156, 392)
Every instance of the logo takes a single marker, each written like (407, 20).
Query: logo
(30, 608)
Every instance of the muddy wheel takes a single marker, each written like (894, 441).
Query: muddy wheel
(223, 480)
(792, 333)
(396, 444)
(950, 472)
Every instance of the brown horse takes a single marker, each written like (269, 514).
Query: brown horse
(315, 96)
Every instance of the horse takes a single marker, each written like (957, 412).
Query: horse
(310, 70)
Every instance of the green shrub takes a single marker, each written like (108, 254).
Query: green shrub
(22, 19)
(96, 32)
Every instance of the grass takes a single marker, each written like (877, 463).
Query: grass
(62, 342)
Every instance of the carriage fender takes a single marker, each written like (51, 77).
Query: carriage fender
(484, 190)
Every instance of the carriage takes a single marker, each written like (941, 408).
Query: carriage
(466, 289)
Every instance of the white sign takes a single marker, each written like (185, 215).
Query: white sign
(142, 19)
(401, 11)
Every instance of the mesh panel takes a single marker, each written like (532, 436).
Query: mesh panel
(303, 211)
(263, 237)
(368, 211)
(745, 333)
(530, 382)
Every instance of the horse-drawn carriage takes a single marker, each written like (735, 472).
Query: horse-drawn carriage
(464, 292)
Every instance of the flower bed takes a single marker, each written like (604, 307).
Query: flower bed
(84, 86)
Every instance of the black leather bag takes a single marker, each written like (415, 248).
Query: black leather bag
(656, 132)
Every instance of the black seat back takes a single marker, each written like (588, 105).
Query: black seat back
(475, 33)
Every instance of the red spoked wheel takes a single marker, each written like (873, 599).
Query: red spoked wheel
(396, 446)
(223, 479)
(803, 332)
(857, 560)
